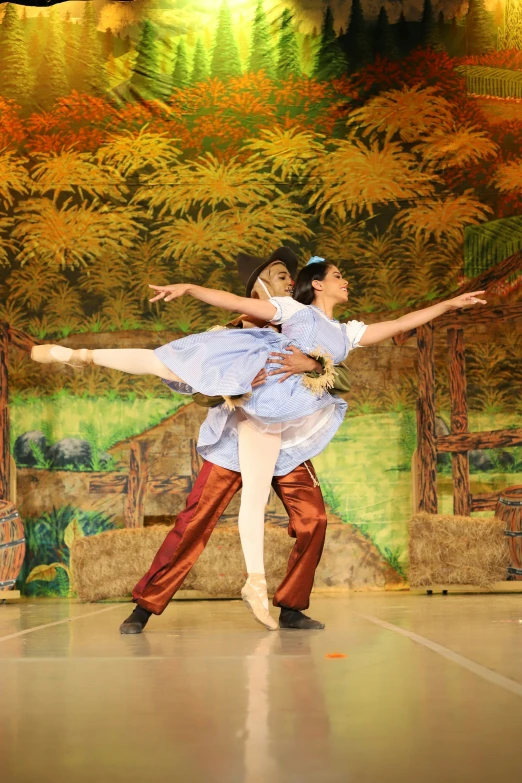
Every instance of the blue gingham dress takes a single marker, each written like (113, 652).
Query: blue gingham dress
(225, 362)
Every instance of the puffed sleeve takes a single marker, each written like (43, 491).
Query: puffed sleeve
(285, 307)
(354, 332)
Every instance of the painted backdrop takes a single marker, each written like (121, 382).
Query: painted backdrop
(152, 140)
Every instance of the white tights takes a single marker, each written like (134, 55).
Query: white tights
(258, 451)
(135, 361)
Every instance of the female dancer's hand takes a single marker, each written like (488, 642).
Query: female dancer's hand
(260, 378)
(376, 333)
(294, 363)
(169, 292)
(466, 300)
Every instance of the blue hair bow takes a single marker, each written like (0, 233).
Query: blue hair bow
(315, 260)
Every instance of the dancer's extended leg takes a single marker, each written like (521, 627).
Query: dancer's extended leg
(258, 452)
(135, 361)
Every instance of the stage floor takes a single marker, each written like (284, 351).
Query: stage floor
(430, 689)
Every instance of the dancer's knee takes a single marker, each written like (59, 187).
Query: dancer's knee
(254, 495)
(321, 523)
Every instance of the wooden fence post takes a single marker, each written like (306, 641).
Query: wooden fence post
(5, 450)
(459, 421)
(426, 442)
(415, 482)
(137, 486)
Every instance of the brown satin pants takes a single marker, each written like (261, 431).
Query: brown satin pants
(212, 492)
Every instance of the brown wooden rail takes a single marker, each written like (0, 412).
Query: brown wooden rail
(487, 501)
(471, 441)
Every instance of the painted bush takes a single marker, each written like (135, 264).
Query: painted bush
(47, 570)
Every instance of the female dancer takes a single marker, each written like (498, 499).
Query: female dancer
(275, 427)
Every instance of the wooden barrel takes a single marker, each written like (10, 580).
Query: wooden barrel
(12, 545)
(509, 509)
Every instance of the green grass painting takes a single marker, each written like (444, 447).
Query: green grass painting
(366, 477)
(100, 419)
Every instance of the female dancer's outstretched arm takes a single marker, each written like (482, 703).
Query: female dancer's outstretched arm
(257, 308)
(376, 333)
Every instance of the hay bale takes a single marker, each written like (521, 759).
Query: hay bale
(454, 550)
(109, 564)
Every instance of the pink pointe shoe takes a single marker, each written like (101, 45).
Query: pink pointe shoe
(255, 597)
(52, 354)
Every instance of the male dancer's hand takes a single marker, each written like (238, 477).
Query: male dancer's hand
(294, 363)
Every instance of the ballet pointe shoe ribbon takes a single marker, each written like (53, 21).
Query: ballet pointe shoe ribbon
(58, 354)
(255, 597)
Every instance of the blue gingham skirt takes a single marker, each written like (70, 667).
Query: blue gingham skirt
(225, 362)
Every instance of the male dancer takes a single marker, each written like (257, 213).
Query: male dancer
(215, 486)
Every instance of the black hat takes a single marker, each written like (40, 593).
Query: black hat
(250, 267)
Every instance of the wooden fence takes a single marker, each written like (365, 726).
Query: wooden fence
(460, 441)
(138, 483)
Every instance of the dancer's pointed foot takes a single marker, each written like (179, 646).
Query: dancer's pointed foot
(51, 354)
(293, 618)
(136, 621)
(255, 596)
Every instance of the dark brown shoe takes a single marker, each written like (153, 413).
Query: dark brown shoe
(136, 621)
(293, 618)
